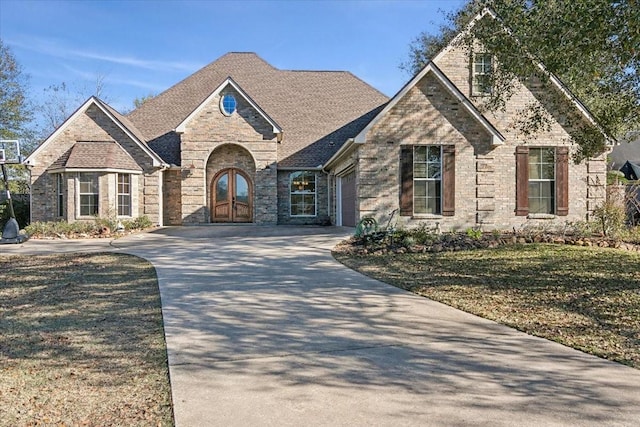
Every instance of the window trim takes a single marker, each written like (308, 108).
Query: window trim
(303, 192)
(475, 88)
(128, 194)
(440, 205)
(96, 180)
(554, 208)
(223, 108)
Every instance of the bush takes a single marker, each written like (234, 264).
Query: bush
(610, 218)
(84, 228)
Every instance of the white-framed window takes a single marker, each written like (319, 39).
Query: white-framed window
(542, 180)
(228, 104)
(124, 194)
(427, 179)
(481, 73)
(302, 193)
(88, 194)
(60, 193)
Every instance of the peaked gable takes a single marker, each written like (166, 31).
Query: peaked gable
(487, 13)
(309, 106)
(228, 82)
(496, 136)
(114, 116)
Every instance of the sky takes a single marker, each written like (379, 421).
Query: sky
(144, 47)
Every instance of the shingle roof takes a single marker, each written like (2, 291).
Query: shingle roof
(310, 106)
(96, 155)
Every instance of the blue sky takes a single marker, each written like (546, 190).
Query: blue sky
(144, 47)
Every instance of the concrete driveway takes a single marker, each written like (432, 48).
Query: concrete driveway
(263, 327)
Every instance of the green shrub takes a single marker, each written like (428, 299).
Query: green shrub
(424, 235)
(21, 210)
(474, 233)
(610, 218)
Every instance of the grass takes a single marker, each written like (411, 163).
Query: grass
(82, 342)
(585, 298)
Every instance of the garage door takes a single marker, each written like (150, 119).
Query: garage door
(348, 199)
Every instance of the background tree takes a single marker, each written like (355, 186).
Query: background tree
(139, 101)
(593, 46)
(61, 100)
(15, 109)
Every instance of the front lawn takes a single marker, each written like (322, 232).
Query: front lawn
(82, 342)
(585, 298)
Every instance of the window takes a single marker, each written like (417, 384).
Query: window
(542, 180)
(303, 193)
(228, 104)
(60, 193)
(427, 180)
(124, 194)
(88, 194)
(482, 69)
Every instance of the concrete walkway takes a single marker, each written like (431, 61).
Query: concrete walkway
(263, 327)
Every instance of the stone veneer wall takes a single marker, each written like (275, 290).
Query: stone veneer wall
(284, 209)
(93, 125)
(250, 133)
(587, 179)
(484, 175)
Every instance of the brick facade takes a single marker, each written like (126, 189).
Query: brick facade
(485, 175)
(92, 125)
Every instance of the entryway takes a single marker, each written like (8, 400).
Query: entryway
(348, 199)
(231, 197)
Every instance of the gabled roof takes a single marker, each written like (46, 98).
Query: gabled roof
(95, 155)
(131, 131)
(229, 82)
(307, 105)
(555, 80)
(496, 136)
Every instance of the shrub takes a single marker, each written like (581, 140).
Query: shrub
(425, 235)
(610, 218)
(474, 233)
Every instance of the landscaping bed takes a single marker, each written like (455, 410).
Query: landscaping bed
(82, 342)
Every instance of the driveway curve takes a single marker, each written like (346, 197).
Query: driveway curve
(263, 327)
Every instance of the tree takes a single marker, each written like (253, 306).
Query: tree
(15, 109)
(593, 46)
(62, 99)
(139, 101)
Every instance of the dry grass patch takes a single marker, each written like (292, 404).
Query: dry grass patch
(82, 342)
(585, 298)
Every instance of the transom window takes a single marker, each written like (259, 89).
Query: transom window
(124, 194)
(88, 191)
(302, 193)
(228, 104)
(427, 179)
(482, 69)
(542, 180)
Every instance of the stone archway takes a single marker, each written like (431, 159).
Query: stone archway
(230, 176)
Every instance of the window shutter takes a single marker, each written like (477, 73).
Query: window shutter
(406, 180)
(562, 181)
(522, 181)
(448, 180)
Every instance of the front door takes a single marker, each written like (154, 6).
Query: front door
(231, 197)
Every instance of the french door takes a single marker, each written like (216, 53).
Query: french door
(231, 197)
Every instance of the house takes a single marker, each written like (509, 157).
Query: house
(242, 141)
(625, 157)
